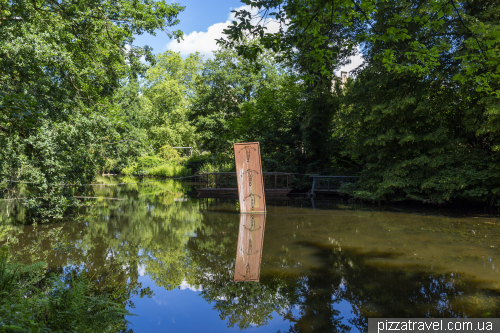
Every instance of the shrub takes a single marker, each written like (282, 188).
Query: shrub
(169, 170)
(221, 167)
(145, 162)
(195, 162)
(111, 165)
(31, 302)
(169, 154)
(130, 169)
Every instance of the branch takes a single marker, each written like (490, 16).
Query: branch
(308, 24)
(112, 143)
(331, 17)
(39, 8)
(467, 28)
(373, 28)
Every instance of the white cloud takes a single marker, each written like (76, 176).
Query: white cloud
(205, 41)
(184, 285)
(159, 301)
(141, 270)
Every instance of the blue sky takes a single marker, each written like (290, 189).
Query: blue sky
(195, 20)
(202, 22)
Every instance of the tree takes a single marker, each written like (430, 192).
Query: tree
(273, 118)
(60, 65)
(314, 50)
(422, 118)
(225, 82)
(420, 137)
(169, 86)
(473, 25)
(240, 101)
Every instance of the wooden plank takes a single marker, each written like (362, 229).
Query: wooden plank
(249, 250)
(249, 177)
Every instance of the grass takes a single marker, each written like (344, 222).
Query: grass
(168, 169)
(222, 167)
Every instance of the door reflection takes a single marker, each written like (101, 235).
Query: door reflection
(249, 252)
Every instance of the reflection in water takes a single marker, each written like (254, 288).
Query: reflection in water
(320, 270)
(250, 243)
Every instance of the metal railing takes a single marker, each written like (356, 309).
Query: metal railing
(277, 180)
(329, 183)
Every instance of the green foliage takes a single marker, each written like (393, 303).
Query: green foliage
(156, 112)
(60, 66)
(145, 162)
(225, 82)
(466, 31)
(273, 118)
(421, 119)
(218, 167)
(76, 307)
(419, 138)
(30, 302)
(62, 158)
(196, 161)
(169, 154)
(111, 165)
(133, 106)
(237, 101)
(168, 85)
(171, 169)
(156, 166)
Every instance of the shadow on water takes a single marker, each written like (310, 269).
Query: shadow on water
(320, 270)
(306, 282)
(381, 291)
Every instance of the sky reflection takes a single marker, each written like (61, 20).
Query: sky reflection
(321, 270)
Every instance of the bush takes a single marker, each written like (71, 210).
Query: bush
(145, 162)
(30, 302)
(195, 162)
(213, 167)
(142, 165)
(130, 169)
(169, 170)
(111, 166)
(169, 154)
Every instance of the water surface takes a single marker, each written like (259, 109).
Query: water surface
(322, 270)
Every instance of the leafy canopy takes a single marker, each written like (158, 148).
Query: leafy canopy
(61, 63)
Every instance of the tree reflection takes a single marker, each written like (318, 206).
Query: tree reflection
(241, 304)
(309, 296)
(319, 293)
(112, 239)
(308, 283)
(381, 291)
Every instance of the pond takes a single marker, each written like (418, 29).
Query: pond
(322, 269)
